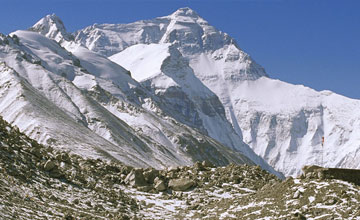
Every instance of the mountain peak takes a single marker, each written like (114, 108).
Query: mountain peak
(185, 12)
(50, 20)
(52, 27)
(53, 17)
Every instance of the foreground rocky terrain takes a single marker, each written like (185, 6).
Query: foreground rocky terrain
(38, 182)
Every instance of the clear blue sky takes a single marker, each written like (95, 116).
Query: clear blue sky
(311, 42)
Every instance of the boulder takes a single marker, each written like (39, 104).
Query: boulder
(198, 166)
(171, 175)
(309, 176)
(160, 185)
(273, 182)
(49, 165)
(135, 178)
(320, 175)
(310, 169)
(330, 200)
(145, 188)
(181, 184)
(157, 179)
(150, 175)
(207, 163)
(56, 173)
(297, 194)
(65, 157)
(299, 216)
(36, 151)
(235, 179)
(126, 170)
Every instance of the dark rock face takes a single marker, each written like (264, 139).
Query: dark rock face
(176, 100)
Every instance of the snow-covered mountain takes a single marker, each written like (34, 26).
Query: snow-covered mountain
(283, 123)
(62, 94)
(167, 91)
(163, 70)
(52, 27)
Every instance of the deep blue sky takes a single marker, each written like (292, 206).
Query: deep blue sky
(311, 42)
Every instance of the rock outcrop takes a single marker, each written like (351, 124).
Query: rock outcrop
(316, 172)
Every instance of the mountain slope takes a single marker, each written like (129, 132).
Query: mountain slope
(289, 133)
(96, 109)
(163, 70)
(283, 123)
(112, 87)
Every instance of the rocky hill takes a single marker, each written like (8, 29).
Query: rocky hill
(38, 182)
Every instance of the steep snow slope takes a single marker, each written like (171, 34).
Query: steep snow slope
(283, 123)
(143, 60)
(26, 108)
(101, 67)
(163, 69)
